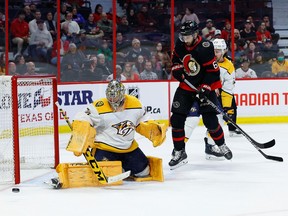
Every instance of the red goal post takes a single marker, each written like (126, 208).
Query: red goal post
(29, 137)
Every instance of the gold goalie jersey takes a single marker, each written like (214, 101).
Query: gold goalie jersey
(227, 77)
(115, 131)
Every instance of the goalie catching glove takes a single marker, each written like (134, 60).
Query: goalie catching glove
(154, 131)
(82, 137)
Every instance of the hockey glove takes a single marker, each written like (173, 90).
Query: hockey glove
(204, 92)
(178, 72)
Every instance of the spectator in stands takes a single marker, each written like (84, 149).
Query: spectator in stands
(2, 64)
(21, 64)
(238, 54)
(105, 25)
(260, 65)
(121, 44)
(90, 24)
(106, 50)
(177, 21)
(156, 64)
(33, 26)
(245, 71)
(209, 31)
(251, 20)
(251, 52)
(51, 25)
(63, 13)
(64, 47)
(145, 21)
(20, 32)
(12, 69)
(226, 31)
(262, 34)
(139, 65)
(190, 15)
(28, 15)
(129, 73)
(137, 50)
(89, 73)
(30, 69)
(103, 68)
(119, 75)
(77, 17)
(124, 26)
(280, 65)
(147, 73)
(33, 8)
(72, 63)
(237, 35)
(98, 12)
(269, 50)
(72, 26)
(248, 33)
(166, 66)
(40, 43)
(132, 18)
(270, 28)
(217, 34)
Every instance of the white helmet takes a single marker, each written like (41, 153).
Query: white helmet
(220, 44)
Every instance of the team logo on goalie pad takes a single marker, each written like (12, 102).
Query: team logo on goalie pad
(124, 128)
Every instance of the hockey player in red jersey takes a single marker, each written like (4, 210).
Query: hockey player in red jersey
(193, 59)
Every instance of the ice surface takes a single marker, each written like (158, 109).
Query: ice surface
(248, 185)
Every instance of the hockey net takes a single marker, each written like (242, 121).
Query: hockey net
(28, 126)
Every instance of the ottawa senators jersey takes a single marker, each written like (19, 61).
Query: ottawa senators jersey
(115, 131)
(199, 63)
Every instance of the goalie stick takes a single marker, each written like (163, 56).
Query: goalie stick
(252, 141)
(102, 178)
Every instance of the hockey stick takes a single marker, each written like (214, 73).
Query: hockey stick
(252, 141)
(102, 178)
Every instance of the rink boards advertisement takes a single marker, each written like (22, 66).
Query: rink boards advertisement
(255, 98)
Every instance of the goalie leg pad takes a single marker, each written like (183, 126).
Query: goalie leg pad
(156, 170)
(81, 175)
(83, 135)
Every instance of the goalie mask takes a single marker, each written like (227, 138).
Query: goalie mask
(115, 94)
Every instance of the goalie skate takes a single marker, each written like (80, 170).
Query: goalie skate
(54, 183)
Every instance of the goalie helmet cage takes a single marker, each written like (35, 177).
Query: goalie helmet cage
(29, 125)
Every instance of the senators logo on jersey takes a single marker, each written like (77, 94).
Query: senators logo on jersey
(191, 66)
(124, 128)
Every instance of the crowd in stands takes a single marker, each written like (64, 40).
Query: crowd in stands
(142, 41)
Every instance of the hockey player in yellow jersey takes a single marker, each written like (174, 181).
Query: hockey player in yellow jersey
(115, 119)
(226, 101)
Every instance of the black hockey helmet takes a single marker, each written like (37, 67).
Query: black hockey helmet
(188, 28)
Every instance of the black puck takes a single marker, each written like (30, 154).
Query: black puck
(15, 190)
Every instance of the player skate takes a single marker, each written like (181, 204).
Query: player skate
(212, 151)
(235, 133)
(226, 151)
(179, 158)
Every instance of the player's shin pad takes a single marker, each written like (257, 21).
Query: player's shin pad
(156, 171)
(81, 175)
(82, 137)
(154, 131)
